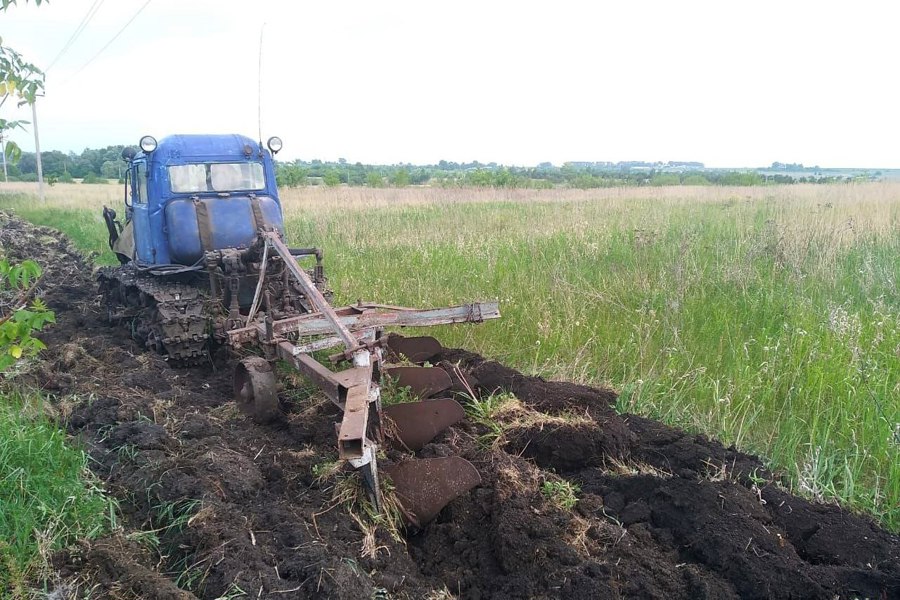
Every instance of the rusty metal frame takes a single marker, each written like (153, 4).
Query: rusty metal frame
(354, 390)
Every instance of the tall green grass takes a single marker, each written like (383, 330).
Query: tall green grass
(769, 319)
(48, 498)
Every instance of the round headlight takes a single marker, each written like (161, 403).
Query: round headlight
(274, 144)
(148, 144)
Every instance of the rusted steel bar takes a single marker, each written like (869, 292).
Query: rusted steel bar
(331, 342)
(352, 437)
(316, 371)
(311, 292)
(350, 390)
(364, 318)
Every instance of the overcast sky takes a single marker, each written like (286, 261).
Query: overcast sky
(726, 83)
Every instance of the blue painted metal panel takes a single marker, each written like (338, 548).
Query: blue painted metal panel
(231, 222)
(157, 219)
(142, 237)
(183, 233)
(271, 211)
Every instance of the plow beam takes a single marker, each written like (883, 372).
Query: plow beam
(352, 391)
(355, 318)
(312, 292)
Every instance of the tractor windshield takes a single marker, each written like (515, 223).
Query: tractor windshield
(217, 177)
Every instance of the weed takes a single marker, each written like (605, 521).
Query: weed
(486, 410)
(173, 516)
(234, 591)
(349, 493)
(561, 493)
(126, 453)
(502, 412)
(392, 393)
(326, 471)
(190, 579)
(633, 467)
(146, 538)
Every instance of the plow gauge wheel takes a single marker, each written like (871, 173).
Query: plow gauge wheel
(255, 389)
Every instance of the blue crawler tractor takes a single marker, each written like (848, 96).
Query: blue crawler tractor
(204, 266)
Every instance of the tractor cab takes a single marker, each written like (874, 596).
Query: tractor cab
(191, 194)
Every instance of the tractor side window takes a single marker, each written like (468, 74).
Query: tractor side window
(141, 184)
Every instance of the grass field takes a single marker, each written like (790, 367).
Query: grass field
(768, 317)
(49, 498)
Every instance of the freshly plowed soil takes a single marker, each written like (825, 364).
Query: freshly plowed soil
(216, 506)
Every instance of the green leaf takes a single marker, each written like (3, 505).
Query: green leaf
(13, 152)
(22, 316)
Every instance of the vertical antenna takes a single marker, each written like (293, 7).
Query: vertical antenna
(259, 86)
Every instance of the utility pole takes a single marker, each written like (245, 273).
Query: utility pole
(3, 150)
(37, 150)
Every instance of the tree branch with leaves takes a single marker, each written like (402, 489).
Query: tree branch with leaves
(21, 315)
(19, 79)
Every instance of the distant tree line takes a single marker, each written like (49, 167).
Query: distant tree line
(100, 165)
(582, 175)
(91, 166)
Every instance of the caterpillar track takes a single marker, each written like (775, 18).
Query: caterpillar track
(169, 317)
(182, 316)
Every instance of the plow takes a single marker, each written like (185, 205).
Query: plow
(423, 486)
(204, 266)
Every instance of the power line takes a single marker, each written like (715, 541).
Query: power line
(114, 38)
(85, 20)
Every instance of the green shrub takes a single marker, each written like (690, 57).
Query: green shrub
(93, 178)
(332, 178)
(374, 179)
